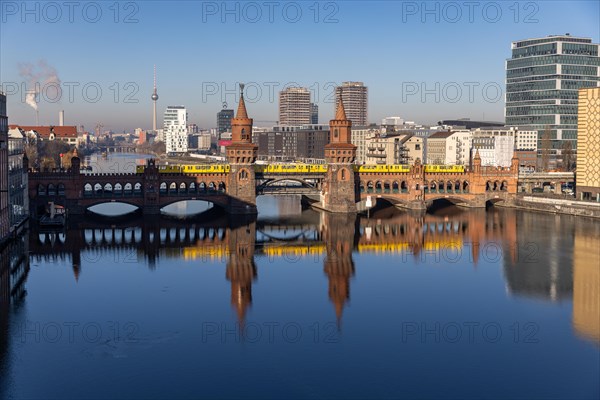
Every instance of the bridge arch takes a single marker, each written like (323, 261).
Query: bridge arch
(285, 179)
(217, 201)
(392, 201)
(108, 200)
(454, 199)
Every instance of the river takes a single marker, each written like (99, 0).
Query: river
(493, 303)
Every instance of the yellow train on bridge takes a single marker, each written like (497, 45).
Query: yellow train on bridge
(194, 169)
(290, 168)
(432, 169)
(382, 169)
(189, 169)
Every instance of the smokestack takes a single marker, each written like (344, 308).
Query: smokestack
(61, 118)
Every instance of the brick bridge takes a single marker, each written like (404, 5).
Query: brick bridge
(340, 189)
(152, 190)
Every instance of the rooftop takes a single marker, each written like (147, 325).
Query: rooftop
(441, 135)
(44, 131)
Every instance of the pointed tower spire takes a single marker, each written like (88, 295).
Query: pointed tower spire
(340, 113)
(241, 111)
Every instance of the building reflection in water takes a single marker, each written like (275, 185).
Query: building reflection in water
(586, 282)
(542, 268)
(241, 269)
(14, 267)
(339, 234)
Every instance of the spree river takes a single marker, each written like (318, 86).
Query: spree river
(296, 303)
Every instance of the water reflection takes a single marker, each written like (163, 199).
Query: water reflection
(14, 267)
(586, 283)
(372, 275)
(542, 268)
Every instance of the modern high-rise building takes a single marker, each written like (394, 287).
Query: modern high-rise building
(542, 79)
(314, 114)
(588, 145)
(224, 118)
(354, 95)
(175, 130)
(295, 107)
(4, 209)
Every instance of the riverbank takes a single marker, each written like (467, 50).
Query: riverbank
(557, 206)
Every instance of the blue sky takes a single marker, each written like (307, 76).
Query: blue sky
(397, 48)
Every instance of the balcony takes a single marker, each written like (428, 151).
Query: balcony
(376, 155)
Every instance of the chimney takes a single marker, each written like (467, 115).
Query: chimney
(61, 118)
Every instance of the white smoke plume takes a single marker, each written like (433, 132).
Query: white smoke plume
(40, 76)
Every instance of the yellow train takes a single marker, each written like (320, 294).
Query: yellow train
(205, 169)
(290, 168)
(444, 168)
(394, 168)
(189, 169)
(298, 168)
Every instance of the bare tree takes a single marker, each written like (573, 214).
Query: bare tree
(567, 155)
(546, 144)
(47, 163)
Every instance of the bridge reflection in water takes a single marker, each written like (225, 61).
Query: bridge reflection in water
(465, 238)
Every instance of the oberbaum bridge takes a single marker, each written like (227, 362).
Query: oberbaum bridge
(337, 187)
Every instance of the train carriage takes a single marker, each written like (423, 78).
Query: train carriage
(444, 168)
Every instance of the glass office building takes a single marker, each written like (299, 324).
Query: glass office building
(543, 77)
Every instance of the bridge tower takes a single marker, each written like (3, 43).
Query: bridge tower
(241, 154)
(151, 188)
(339, 188)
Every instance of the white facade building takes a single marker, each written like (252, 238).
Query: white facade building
(204, 141)
(526, 139)
(495, 145)
(458, 147)
(393, 121)
(175, 130)
(359, 137)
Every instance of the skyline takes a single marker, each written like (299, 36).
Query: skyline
(321, 55)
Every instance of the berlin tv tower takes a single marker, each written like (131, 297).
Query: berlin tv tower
(154, 98)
